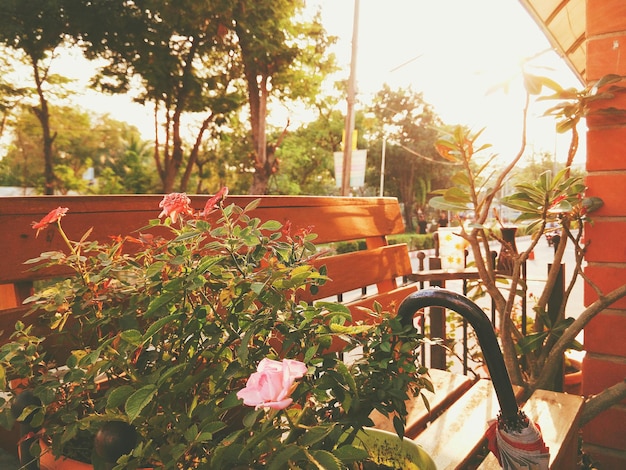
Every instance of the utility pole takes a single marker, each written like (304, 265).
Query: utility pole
(347, 143)
(382, 168)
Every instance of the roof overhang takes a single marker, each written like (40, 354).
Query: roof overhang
(563, 23)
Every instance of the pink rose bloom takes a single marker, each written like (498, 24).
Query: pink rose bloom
(272, 384)
(51, 218)
(174, 204)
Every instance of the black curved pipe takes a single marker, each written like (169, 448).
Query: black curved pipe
(437, 297)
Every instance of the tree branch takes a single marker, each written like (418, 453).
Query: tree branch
(603, 401)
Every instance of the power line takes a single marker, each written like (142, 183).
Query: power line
(417, 154)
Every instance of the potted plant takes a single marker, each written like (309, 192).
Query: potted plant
(185, 346)
(534, 355)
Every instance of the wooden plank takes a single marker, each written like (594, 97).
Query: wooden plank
(458, 433)
(448, 388)
(390, 301)
(442, 275)
(557, 415)
(332, 218)
(8, 318)
(358, 269)
(8, 299)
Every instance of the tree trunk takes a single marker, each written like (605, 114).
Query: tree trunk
(263, 160)
(43, 115)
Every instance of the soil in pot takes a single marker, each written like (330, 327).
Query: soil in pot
(573, 378)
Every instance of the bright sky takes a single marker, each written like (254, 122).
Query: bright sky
(453, 51)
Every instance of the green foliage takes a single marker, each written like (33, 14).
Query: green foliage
(121, 162)
(412, 166)
(306, 157)
(545, 202)
(166, 328)
(414, 241)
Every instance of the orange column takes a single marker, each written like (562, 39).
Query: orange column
(605, 342)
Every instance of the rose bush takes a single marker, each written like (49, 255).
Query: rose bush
(191, 332)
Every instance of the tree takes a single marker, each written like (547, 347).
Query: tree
(408, 124)
(281, 57)
(182, 57)
(10, 94)
(82, 142)
(306, 157)
(36, 29)
(125, 164)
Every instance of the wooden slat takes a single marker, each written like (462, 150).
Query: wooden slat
(448, 388)
(8, 299)
(8, 318)
(332, 218)
(390, 301)
(358, 269)
(557, 415)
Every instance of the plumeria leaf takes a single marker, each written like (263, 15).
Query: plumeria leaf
(531, 342)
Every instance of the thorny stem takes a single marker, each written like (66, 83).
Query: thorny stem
(84, 275)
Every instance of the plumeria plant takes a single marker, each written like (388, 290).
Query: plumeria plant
(554, 204)
(188, 338)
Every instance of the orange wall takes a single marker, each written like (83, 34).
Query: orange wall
(605, 362)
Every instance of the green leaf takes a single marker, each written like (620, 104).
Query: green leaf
(350, 453)
(139, 400)
(187, 235)
(253, 205)
(272, 225)
(118, 396)
(155, 269)
(531, 342)
(169, 372)
(327, 460)
(398, 425)
(159, 302)
(440, 203)
(315, 435)
(457, 195)
(132, 337)
(206, 433)
(160, 323)
(280, 460)
(347, 376)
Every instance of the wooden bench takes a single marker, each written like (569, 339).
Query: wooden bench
(452, 431)
(359, 277)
